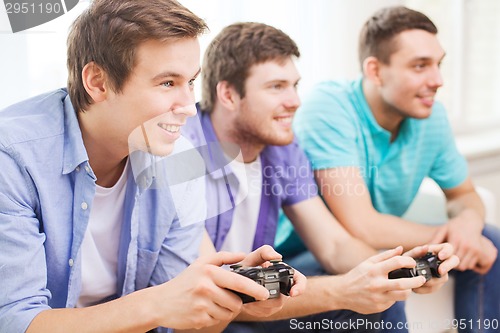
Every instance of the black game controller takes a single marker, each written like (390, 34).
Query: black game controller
(427, 266)
(277, 278)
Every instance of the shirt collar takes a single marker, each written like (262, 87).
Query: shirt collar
(74, 149)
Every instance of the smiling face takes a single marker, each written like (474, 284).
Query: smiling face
(157, 97)
(265, 113)
(408, 84)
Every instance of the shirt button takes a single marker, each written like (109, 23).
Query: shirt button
(87, 168)
(70, 262)
(77, 168)
(84, 205)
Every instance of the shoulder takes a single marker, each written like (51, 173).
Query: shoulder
(328, 101)
(36, 118)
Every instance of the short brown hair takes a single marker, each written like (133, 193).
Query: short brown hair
(237, 48)
(109, 32)
(377, 35)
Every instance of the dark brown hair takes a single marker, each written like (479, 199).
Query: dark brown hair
(237, 48)
(378, 33)
(109, 32)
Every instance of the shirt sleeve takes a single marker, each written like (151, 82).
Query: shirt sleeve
(301, 184)
(23, 272)
(326, 128)
(450, 167)
(181, 246)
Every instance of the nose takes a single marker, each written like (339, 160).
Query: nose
(292, 99)
(185, 101)
(436, 79)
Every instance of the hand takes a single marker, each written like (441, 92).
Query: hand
(367, 287)
(488, 257)
(464, 233)
(199, 296)
(261, 257)
(444, 252)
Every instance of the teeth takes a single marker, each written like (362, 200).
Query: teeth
(286, 120)
(170, 128)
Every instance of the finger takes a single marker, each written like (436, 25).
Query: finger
(440, 236)
(448, 264)
(386, 255)
(468, 261)
(226, 305)
(261, 255)
(443, 251)
(299, 284)
(239, 283)
(267, 307)
(221, 258)
(398, 295)
(405, 283)
(460, 250)
(395, 263)
(417, 251)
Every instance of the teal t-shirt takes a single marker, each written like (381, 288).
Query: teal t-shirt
(336, 128)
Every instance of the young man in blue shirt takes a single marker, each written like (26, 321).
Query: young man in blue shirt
(372, 141)
(90, 240)
(255, 168)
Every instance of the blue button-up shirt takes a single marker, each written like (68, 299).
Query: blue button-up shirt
(46, 192)
(287, 179)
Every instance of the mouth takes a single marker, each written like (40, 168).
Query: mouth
(285, 120)
(170, 128)
(427, 100)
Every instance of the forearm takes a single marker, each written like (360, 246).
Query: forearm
(322, 294)
(384, 231)
(349, 253)
(126, 314)
(468, 205)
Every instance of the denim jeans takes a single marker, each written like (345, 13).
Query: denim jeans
(340, 321)
(477, 297)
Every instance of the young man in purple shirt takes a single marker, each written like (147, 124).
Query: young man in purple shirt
(254, 168)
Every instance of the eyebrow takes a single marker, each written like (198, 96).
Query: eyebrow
(283, 81)
(424, 58)
(163, 75)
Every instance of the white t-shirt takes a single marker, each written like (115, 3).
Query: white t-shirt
(246, 213)
(99, 248)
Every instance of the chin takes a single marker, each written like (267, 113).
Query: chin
(163, 151)
(281, 140)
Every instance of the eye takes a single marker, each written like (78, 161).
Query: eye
(277, 86)
(419, 66)
(168, 84)
(191, 82)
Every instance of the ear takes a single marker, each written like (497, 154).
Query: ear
(94, 81)
(371, 70)
(227, 95)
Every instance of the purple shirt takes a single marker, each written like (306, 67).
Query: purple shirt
(286, 180)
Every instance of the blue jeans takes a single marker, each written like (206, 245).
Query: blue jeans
(477, 297)
(340, 321)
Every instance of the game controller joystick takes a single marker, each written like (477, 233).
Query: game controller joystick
(427, 266)
(277, 278)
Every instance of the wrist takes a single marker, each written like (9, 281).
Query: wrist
(470, 216)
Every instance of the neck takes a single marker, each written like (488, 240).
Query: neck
(227, 132)
(106, 161)
(385, 116)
